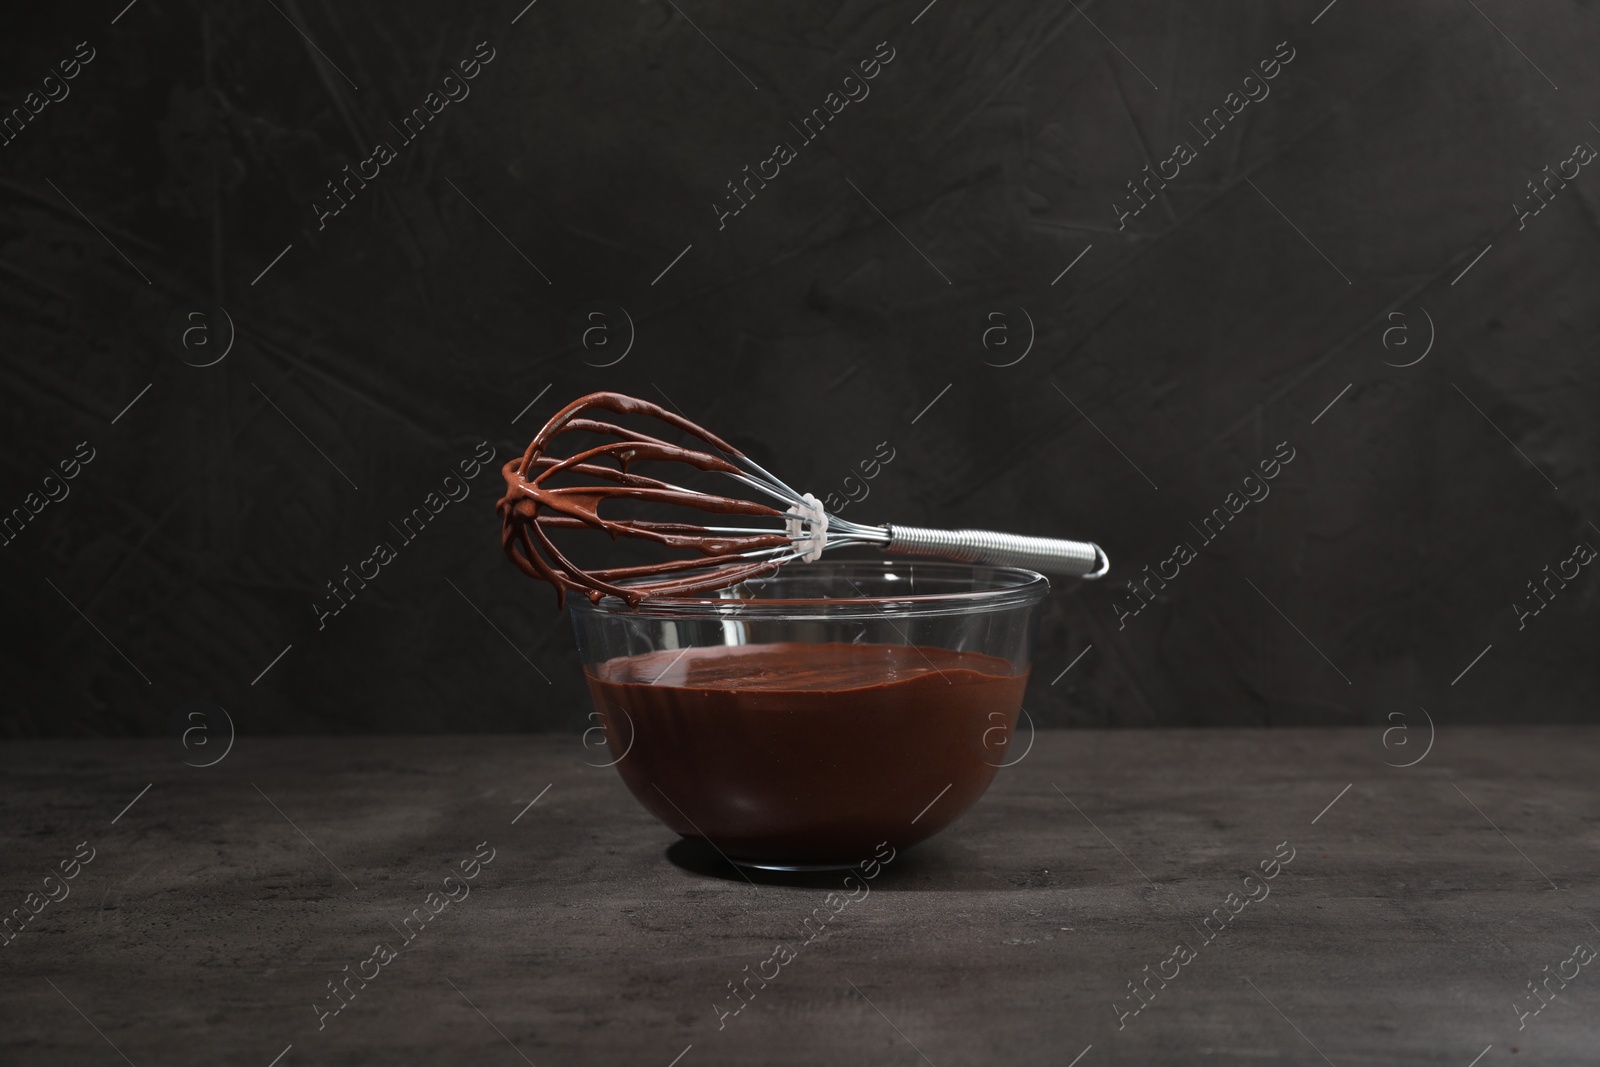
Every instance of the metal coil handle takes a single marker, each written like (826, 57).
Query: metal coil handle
(1050, 555)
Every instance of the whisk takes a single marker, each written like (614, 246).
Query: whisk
(726, 555)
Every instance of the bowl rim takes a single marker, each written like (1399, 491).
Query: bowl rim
(1013, 587)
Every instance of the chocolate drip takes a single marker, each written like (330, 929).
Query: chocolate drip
(531, 506)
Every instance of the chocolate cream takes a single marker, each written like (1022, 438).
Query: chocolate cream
(807, 753)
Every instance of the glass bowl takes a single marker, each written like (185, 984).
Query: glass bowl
(800, 720)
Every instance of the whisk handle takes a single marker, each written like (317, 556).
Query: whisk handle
(1051, 555)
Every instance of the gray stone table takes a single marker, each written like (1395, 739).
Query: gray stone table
(1419, 903)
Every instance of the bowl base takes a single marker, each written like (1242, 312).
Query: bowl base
(789, 868)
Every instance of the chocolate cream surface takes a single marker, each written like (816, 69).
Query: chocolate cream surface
(807, 753)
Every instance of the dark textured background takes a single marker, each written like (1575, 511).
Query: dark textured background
(808, 331)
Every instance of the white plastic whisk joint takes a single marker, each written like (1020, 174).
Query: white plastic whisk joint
(806, 526)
